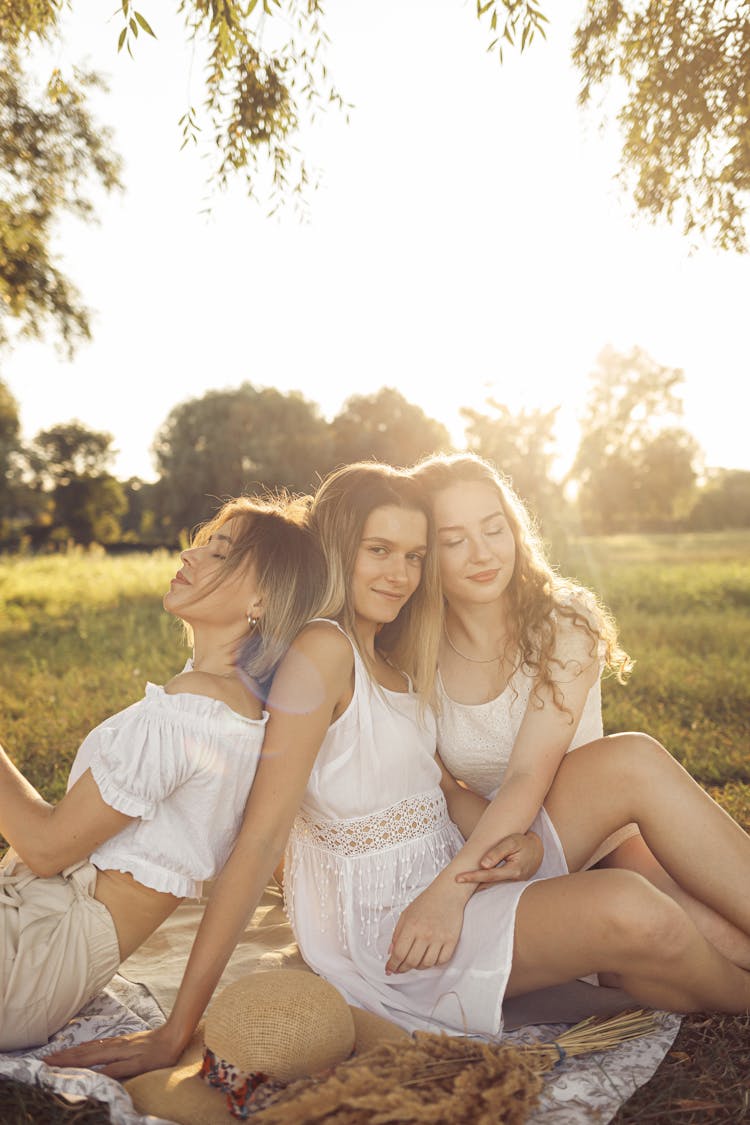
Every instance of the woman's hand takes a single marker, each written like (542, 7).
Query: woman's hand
(428, 930)
(123, 1055)
(514, 859)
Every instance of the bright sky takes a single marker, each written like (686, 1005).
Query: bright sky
(468, 241)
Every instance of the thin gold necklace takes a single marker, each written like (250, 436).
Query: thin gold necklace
(471, 659)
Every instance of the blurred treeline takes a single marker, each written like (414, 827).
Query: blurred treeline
(636, 469)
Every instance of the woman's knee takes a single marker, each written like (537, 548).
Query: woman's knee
(641, 920)
(626, 761)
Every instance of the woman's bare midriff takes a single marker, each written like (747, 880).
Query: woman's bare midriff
(136, 910)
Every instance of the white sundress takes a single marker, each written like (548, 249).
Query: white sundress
(373, 831)
(475, 741)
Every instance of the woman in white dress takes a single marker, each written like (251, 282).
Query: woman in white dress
(518, 684)
(157, 792)
(350, 747)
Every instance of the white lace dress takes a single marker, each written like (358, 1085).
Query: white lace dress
(373, 831)
(475, 740)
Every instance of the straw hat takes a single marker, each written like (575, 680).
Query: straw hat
(270, 1027)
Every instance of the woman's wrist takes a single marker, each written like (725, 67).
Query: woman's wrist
(447, 877)
(175, 1035)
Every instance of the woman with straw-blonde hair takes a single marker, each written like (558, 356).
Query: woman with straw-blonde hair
(376, 825)
(157, 792)
(518, 683)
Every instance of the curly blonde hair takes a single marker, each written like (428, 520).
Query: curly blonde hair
(537, 596)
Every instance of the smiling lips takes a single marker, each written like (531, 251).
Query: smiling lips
(394, 597)
(484, 575)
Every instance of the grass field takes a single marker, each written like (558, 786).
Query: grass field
(81, 633)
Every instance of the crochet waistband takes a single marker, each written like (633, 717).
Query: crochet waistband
(409, 819)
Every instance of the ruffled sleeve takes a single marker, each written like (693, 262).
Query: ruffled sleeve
(140, 761)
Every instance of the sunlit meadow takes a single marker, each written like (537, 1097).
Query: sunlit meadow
(81, 633)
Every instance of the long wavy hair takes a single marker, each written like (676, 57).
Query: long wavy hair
(272, 536)
(338, 514)
(537, 597)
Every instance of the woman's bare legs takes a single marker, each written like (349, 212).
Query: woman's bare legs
(615, 922)
(634, 855)
(631, 777)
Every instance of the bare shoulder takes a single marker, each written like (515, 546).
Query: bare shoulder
(323, 640)
(318, 667)
(230, 690)
(576, 645)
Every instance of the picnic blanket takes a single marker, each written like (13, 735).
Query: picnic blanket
(591, 1087)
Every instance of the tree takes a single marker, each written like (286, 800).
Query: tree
(385, 426)
(680, 71)
(723, 502)
(50, 150)
(265, 75)
(141, 523)
(635, 469)
(71, 450)
(70, 462)
(685, 118)
(9, 447)
(522, 446)
(234, 441)
(88, 508)
(683, 65)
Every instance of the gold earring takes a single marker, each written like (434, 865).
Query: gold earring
(252, 621)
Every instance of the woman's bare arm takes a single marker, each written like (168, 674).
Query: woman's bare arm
(49, 838)
(308, 688)
(428, 930)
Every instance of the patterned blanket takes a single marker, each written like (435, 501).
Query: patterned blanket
(588, 1088)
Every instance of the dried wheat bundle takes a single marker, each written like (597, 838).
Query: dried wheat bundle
(433, 1078)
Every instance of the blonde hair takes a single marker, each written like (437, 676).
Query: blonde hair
(273, 537)
(338, 514)
(536, 595)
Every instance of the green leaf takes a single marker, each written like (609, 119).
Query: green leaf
(121, 40)
(145, 25)
(133, 27)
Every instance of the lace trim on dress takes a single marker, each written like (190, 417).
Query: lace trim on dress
(354, 861)
(410, 819)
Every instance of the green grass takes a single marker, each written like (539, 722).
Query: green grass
(80, 634)
(683, 607)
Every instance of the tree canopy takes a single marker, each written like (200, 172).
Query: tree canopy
(234, 441)
(635, 470)
(678, 71)
(387, 427)
(50, 151)
(684, 66)
(522, 445)
(635, 467)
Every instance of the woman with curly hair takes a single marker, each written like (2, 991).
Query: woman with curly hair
(518, 687)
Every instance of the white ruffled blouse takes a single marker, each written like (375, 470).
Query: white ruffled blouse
(182, 765)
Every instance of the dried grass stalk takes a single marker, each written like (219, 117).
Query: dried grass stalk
(437, 1078)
